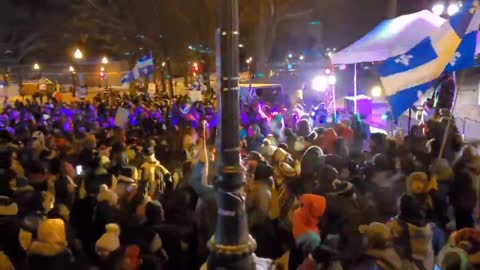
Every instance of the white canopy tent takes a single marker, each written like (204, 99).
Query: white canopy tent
(390, 38)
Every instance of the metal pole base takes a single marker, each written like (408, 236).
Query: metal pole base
(231, 257)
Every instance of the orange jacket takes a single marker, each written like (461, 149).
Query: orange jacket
(305, 218)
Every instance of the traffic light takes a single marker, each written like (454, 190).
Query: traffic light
(195, 69)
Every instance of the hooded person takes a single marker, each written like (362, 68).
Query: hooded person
(345, 212)
(156, 175)
(305, 229)
(310, 165)
(412, 234)
(49, 250)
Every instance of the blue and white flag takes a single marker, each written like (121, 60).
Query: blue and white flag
(405, 77)
(464, 57)
(142, 69)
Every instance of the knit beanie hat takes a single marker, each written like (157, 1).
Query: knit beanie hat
(107, 195)
(109, 241)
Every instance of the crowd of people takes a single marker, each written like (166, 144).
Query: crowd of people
(79, 188)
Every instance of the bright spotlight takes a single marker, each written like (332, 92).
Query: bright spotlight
(320, 83)
(376, 91)
(452, 9)
(328, 71)
(301, 57)
(332, 80)
(438, 9)
(290, 55)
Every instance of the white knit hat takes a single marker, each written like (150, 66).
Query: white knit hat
(109, 241)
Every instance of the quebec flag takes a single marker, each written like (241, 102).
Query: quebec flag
(142, 69)
(405, 77)
(464, 57)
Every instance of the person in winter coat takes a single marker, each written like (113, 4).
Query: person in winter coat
(305, 228)
(259, 204)
(157, 176)
(464, 189)
(412, 233)
(49, 250)
(345, 212)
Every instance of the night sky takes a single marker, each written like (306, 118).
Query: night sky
(343, 21)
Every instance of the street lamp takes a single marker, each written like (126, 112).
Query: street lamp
(78, 54)
(72, 69)
(290, 55)
(36, 66)
(105, 60)
(438, 9)
(301, 57)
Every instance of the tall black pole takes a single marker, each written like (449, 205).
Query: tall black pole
(231, 247)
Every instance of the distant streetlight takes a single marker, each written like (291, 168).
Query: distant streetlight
(438, 9)
(105, 60)
(71, 68)
(190, 47)
(240, 45)
(290, 55)
(163, 64)
(102, 69)
(301, 57)
(249, 60)
(78, 54)
(36, 66)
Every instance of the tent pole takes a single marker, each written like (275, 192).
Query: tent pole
(334, 98)
(355, 89)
